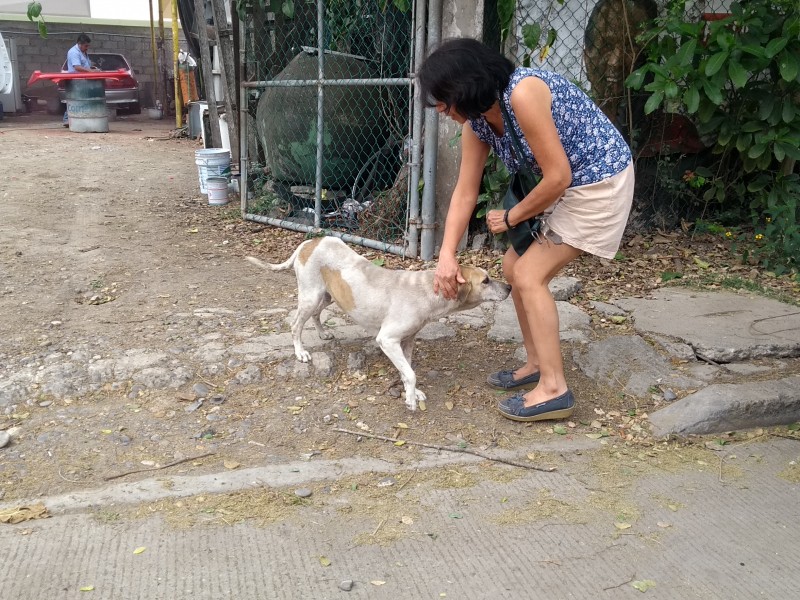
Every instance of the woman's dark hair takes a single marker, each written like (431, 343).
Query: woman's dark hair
(464, 74)
(84, 39)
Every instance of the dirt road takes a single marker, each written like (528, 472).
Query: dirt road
(134, 333)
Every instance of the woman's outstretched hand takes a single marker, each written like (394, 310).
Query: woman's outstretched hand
(447, 277)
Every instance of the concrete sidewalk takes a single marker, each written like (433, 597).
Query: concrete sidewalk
(712, 528)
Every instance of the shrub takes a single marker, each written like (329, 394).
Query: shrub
(738, 78)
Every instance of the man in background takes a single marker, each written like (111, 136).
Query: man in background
(78, 61)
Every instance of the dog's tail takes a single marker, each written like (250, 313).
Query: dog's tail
(284, 266)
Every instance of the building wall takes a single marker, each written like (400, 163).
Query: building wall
(48, 54)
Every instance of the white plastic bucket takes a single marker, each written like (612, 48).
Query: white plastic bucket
(217, 190)
(212, 162)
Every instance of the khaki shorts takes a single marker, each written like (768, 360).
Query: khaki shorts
(592, 217)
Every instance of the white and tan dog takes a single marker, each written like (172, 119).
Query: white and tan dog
(396, 304)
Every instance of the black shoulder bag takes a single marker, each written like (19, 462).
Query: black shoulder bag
(524, 180)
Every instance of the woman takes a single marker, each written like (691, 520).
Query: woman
(585, 193)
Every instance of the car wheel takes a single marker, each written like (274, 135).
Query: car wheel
(55, 107)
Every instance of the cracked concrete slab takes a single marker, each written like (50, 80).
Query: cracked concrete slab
(722, 326)
(729, 407)
(631, 364)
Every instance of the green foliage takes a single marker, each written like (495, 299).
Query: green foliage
(531, 32)
(738, 78)
(496, 180)
(35, 16)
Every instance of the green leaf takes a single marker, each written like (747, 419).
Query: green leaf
(379, 262)
(712, 92)
(765, 107)
(752, 126)
(552, 34)
(653, 102)
(788, 112)
(287, 8)
(756, 150)
(793, 427)
(715, 63)
(685, 55)
(788, 65)
(774, 46)
(560, 430)
(670, 275)
(505, 14)
(42, 29)
(701, 263)
(671, 89)
(691, 97)
(636, 79)
(531, 34)
(643, 585)
(737, 73)
(792, 151)
(34, 10)
(754, 50)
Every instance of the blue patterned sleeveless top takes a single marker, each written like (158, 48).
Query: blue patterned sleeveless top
(594, 147)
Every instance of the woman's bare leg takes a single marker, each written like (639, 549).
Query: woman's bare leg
(532, 363)
(532, 273)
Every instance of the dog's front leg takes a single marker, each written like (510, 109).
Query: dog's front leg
(393, 349)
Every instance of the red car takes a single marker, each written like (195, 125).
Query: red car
(122, 93)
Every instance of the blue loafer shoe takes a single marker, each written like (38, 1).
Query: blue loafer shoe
(504, 380)
(558, 408)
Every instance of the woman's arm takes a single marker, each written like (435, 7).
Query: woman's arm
(462, 204)
(531, 102)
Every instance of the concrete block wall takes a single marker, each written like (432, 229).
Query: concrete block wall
(48, 54)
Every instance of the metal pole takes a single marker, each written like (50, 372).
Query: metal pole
(155, 54)
(347, 237)
(244, 119)
(327, 82)
(416, 131)
(428, 245)
(320, 106)
(162, 73)
(176, 48)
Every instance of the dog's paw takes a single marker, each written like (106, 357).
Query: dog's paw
(303, 355)
(413, 399)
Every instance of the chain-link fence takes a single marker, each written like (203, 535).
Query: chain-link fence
(329, 133)
(332, 136)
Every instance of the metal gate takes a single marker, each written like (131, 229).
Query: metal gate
(330, 144)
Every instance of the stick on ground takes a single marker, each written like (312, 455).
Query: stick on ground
(172, 464)
(448, 449)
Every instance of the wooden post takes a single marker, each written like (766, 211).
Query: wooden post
(228, 73)
(208, 77)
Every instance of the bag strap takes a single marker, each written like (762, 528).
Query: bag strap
(524, 168)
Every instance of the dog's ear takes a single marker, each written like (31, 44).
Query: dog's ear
(464, 289)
